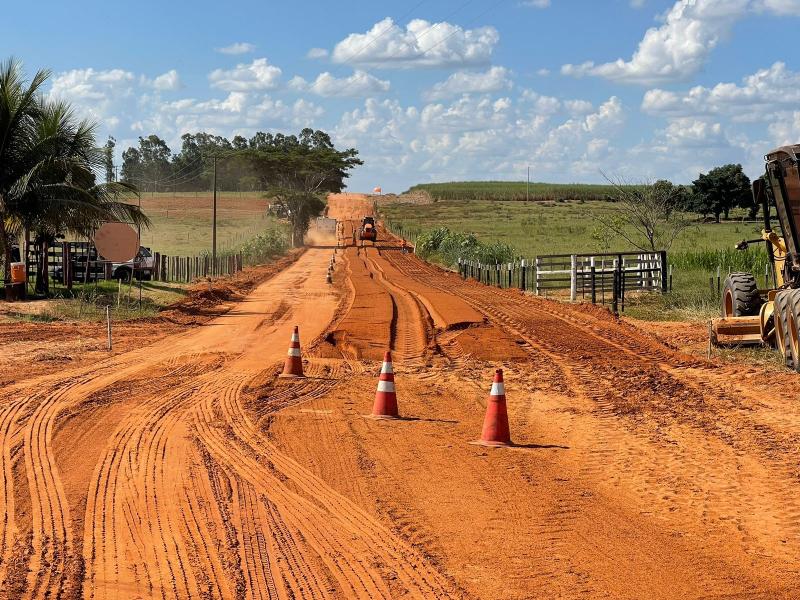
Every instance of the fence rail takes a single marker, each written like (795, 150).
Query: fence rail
(601, 277)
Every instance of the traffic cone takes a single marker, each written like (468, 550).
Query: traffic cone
(495, 423)
(385, 406)
(293, 367)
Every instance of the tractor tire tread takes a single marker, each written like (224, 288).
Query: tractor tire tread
(782, 339)
(744, 292)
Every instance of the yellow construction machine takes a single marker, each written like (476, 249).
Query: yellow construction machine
(770, 316)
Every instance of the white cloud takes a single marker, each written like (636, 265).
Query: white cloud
(681, 46)
(317, 53)
(543, 72)
(637, 3)
(358, 84)
(691, 132)
(237, 48)
(478, 137)
(239, 112)
(89, 84)
(166, 82)
(493, 80)
(542, 105)
(420, 44)
(676, 49)
(761, 96)
(536, 3)
(258, 75)
(103, 96)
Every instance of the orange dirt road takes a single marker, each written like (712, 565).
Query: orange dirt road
(187, 469)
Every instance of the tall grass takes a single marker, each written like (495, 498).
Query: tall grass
(515, 190)
(265, 246)
(752, 260)
(447, 247)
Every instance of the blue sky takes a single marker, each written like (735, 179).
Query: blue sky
(438, 90)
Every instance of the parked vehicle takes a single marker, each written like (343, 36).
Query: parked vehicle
(141, 266)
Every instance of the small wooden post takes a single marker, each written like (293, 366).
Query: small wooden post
(108, 325)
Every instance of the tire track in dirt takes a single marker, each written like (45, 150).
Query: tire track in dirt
(412, 328)
(137, 535)
(603, 362)
(340, 533)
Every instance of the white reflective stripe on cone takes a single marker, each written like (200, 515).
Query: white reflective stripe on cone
(387, 368)
(293, 352)
(498, 389)
(295, 337)
(386, 386)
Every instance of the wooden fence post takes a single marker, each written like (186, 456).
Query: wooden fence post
(573, 278)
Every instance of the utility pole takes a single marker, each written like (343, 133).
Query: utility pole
(528, 185)
(214, 223)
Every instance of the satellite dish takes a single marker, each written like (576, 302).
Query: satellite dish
(117, 242)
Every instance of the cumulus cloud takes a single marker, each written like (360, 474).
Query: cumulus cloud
(455, 139)
(761, 96)
(101, 95)
(238, 112)
(166, 82)
(257, 75)
(237, 48)
(359, 84)
(420, 44)
(676, 49)
(681, 46)
(493, 80)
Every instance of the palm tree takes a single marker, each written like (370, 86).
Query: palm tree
(48, 166)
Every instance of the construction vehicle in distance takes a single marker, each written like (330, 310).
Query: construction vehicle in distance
(368, 230)
(770, 316)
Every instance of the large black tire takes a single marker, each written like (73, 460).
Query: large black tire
(740, 296)
(123, 273)
(783, 339)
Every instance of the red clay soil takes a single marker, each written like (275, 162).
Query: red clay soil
(187, 469)
(29, 349)
(366, 329)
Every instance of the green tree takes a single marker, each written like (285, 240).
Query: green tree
(149, 166)
(108, 158)
(298, 170)
(722, 189)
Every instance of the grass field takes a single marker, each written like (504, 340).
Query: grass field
(572, 227)
(182, 221)
(514, 190)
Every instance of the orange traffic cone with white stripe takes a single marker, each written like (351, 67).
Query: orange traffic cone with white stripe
(293, 367)
(495, 423)
(385, 406)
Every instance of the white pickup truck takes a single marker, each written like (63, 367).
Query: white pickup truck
(141, 266)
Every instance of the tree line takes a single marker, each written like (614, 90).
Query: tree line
(713, 194)
(258, 163)
(296, 171)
